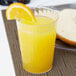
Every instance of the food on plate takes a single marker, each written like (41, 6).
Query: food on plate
(66, 26)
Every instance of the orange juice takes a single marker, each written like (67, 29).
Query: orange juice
(37, 43)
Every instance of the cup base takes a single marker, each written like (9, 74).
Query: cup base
(40, 72)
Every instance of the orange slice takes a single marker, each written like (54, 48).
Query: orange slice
(19, 10)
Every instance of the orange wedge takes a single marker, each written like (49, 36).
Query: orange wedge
(21, 11)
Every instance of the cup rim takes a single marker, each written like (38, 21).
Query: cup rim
(39, 8)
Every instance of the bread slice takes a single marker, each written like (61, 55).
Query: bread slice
(66, 26)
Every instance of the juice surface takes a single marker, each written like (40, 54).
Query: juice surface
(40, 20)
(37, 42)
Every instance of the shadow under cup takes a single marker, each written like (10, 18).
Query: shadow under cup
(37, 43)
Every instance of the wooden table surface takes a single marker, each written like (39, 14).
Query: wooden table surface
(64, 61)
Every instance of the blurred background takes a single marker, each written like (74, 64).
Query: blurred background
(34, 3)
(8, 2)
